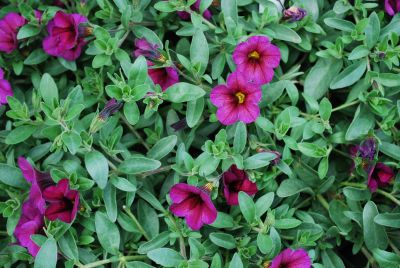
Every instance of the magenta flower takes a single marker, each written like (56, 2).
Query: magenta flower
(379, 176)
(63, 202)
(256, 59)
(366, 150)
(290, 258)
(64, 39)
(9, 26)
(294, 14)
(147, 50)
(5, 88)
(235, 181)
(164, 76)
(195, 7)
(192, 203)
(392, 7)
(237, 100)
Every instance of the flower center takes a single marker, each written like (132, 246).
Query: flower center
(162, 58)
(208, 187)
(240, 97)
(254, 55)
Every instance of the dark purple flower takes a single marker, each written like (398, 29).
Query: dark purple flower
(9, 26)
(294, 14)
(112, 106)
(194, 204)
(237, 100)
(256, 59)
(290, 258)
(195, 7)
(5, 89)
(392, 7)
(148, 50)
(379, 176)
(64, 39)
(235, 181)
(63, 203)
(164, 76)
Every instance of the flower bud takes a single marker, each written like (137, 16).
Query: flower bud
(294, 14)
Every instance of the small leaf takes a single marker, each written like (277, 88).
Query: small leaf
(247, 207)
(107, 233)
(47, 255)
(48, 89)
(223, 240)
(97, 166)
(350, 75)
(138, 164)
(165, 256)
(183, 92)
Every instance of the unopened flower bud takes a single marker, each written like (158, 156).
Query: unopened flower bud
(294, 14)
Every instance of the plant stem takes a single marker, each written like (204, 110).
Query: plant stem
(323, 201)
(181, 238)
(122, 259)
(345, 105)
(388, 196)
(139, 226)
(369, 257)
(134, 131)
(156, 171)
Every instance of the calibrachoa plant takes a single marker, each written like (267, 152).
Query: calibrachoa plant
(200, 133)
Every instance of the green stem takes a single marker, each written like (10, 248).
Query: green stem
(181, 238)
(323, 201)
(139, 226)
(343, 106)
(122, 259)
(156, 171)
(388, 196)
(134, 131)
(369, 257)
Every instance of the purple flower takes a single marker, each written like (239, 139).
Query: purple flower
(64, 39)
(235, 181)
(164, 76)
(195, 7)
(392, 7)
(256, 58)
(237, 100)
(147, 50)
(294, 14)
(290, 258)
(194, 204)
(366, 150)
(112, 106)
(5, 88)
(63, 202)
(379, 176)
(9, 26)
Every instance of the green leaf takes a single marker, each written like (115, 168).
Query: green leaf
(336, 212)
(340, 24)
(291, 187)
(223, 240)
(183, 92)
(312, 149)
(48, 89)
(350, 75)
(163, 147)
(20, 134)
(223, 221)
(110, 201)
(264, 243)
(363, 121)
(247, 207)
(390, 149)
(97, 166)
(388, 219)
(286, 223)
(331, 260)
(138, 164)
(325, 109)
(259, 160)
(165, 256)
(194, 111)
(357, 194)
(157, 242)
(131, 112)
(72, 140)
(236, 262)
(12, 176)
(240, 138)
(47, 255)
(148, 218)
(386, 259)
(388, 79)
(264, 203)
(138, 264)
(359, 52)
(27, 30)
(107, 233)
(374, 234)
(36, 57)
(123, 184)
(199, 52)
(68, 246)
(229, 10)
(284, 33)
(372, 30)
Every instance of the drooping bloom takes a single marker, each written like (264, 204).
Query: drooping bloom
(112, 106)
(366, 150)
(235, 181)
(9, 26)
(64, 39)
(63, 202)
(237, 100)
(294, 14)
(148, 50)
(392, 7)
(256, 59)
(290, 258)
(195, 7)
(379, 176)
(164, 76)
(192, 203)
(5, 88)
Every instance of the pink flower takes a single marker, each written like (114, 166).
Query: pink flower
(237, 100)
(256, 59)
(235, 181)
(5, 88)
(9, 26)
(292, 259)
(63, 202)
(146, 49)
(195, 7)
(165, 76)
(194, 204)
(294, 14)
(64, 39)
(392, 7)
(379, 176)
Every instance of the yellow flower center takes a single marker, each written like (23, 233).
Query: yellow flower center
(162, 58)
(266, 264)
(208, 187)
(240, 97)
(254, 55)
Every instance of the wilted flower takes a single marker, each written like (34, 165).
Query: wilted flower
(290, 258)
(366, 150)
(148, 50)
(63, 202)
(164, 76)
(294, 14)
(256, 58)
(379, 176)
(195, 7)
(5, 88)
(278, 154)
(235, 181)
(112, 106)
(194, 204)
(392, 7)
(9, 26)
(237, 100)
(64, 39)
